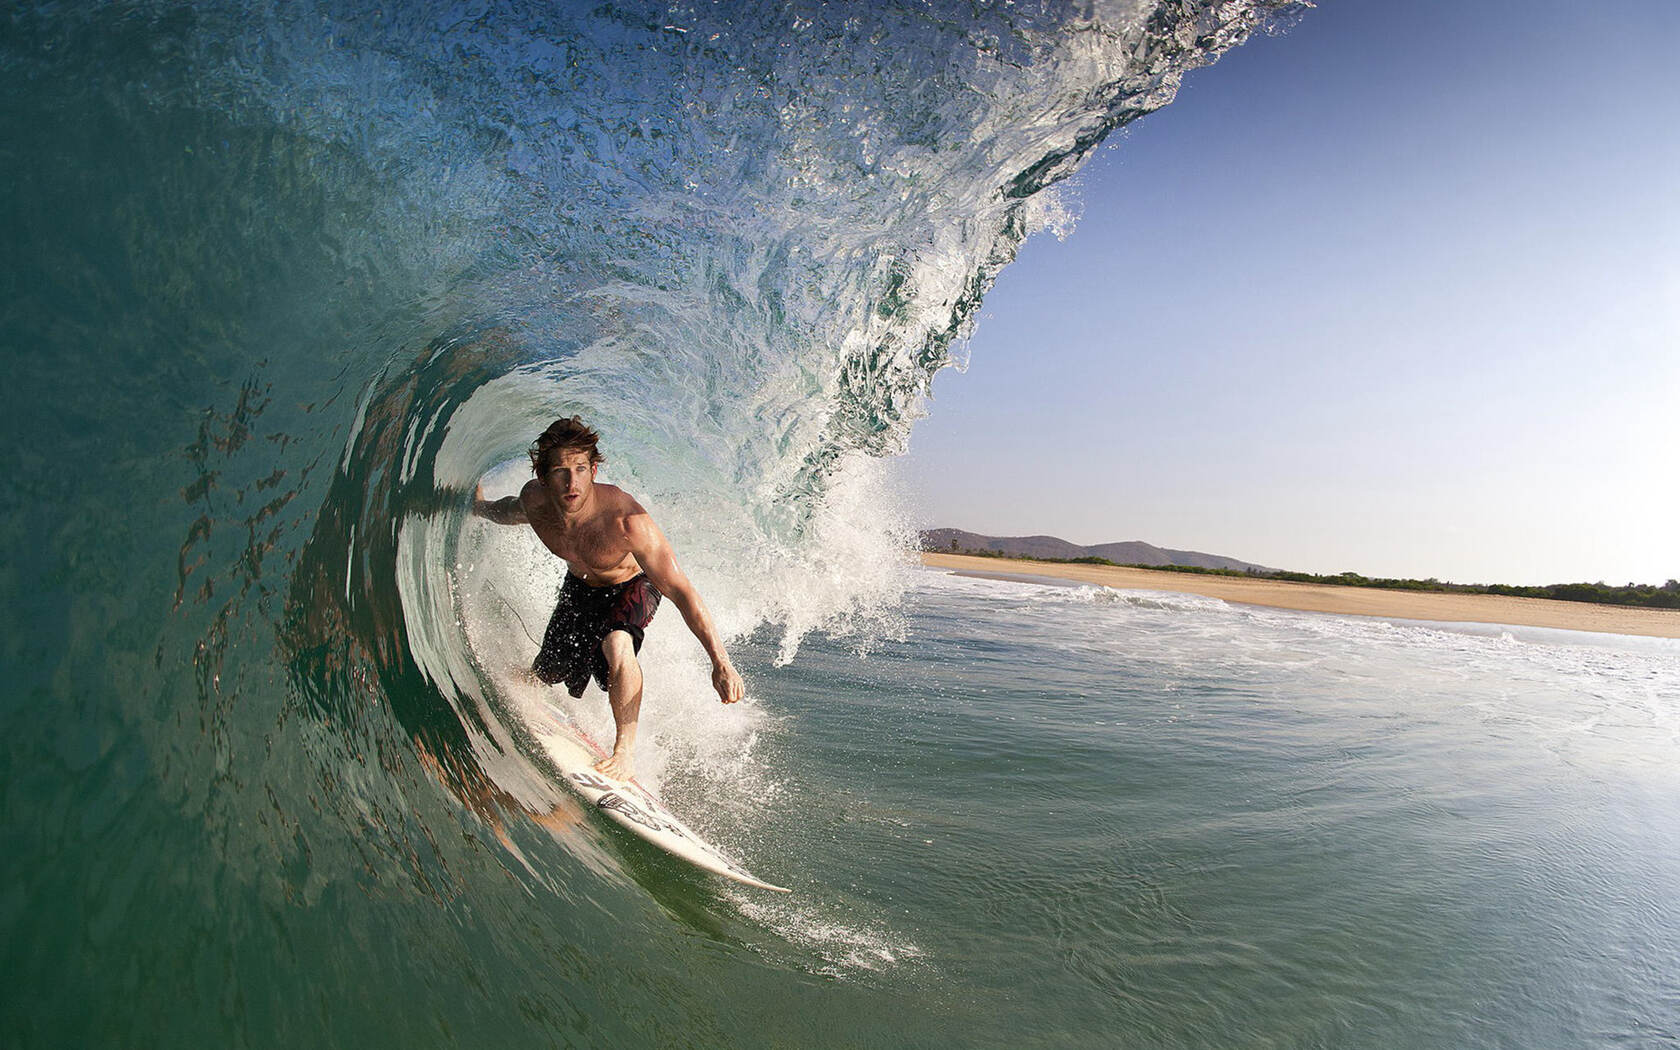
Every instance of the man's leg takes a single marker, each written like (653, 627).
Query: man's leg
(564, 656)
(624, 692)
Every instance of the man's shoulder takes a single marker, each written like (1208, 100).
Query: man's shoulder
(531, 490)
(616, 499)
(624, 509)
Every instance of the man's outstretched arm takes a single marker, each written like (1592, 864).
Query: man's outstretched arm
(505, 511)
(653, 553)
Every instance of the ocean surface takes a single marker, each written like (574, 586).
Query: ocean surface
(283, 281)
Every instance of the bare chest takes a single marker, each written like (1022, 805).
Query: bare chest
(593, 549)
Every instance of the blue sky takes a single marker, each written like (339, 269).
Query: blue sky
(1397, 292)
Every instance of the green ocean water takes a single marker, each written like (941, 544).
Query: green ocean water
(283, 282)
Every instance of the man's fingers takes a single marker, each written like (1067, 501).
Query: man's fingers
(729, 687)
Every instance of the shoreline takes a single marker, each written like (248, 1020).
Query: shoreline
(1341, 601)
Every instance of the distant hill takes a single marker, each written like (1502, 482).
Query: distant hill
(1134, 552)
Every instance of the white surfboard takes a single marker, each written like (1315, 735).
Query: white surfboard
(632, 806)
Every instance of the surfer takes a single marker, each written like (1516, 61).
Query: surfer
(618, 566)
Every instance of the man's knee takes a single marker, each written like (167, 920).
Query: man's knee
(619, 649)
(544, 673)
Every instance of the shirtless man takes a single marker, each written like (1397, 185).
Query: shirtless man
(619, 564)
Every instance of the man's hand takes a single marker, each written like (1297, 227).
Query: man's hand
(727, 682)
(506, 511)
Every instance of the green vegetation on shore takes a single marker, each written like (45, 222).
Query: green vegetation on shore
(1639, 595)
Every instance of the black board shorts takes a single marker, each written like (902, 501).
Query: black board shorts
(583, 617)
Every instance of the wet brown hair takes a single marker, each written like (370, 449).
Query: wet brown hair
(567, 434)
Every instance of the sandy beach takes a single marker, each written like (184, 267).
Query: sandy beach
(1355, 601)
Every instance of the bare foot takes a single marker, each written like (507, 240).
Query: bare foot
(615, 765)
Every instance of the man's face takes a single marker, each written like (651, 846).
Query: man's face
(570, 479)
